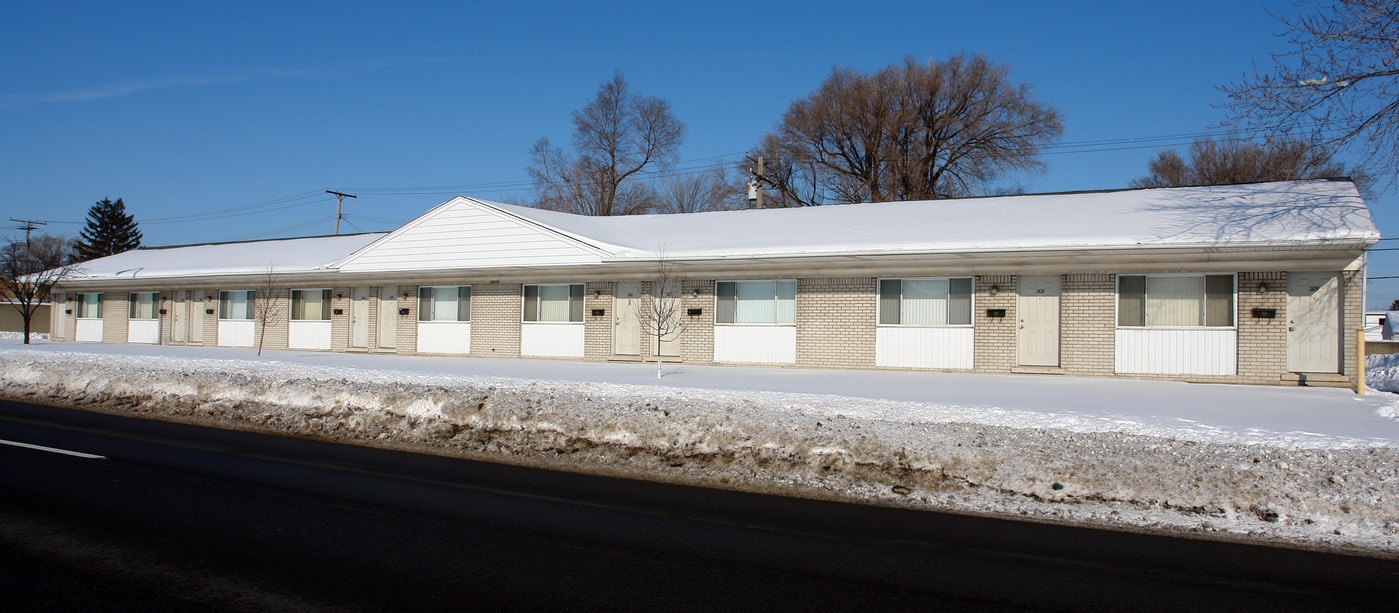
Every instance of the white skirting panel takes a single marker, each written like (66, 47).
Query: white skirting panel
(924, 347)
(1165, 351)
(307, 335)
(236, 333)
(143, 331)
(444, 337)
(88, 331)
(551, 340)
(755, 344)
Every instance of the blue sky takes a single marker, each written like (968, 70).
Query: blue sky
(227, 121)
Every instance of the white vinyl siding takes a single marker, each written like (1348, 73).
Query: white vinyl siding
(236, 326)
(444, 319)
(236, 304)
(553, 321)
(464, 234)
(310, 305)
(310, 326)
(1179, 324)
(88, 327)
(756, 322)
(925, 323)
(444, 303)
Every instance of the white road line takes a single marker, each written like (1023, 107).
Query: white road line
(76, 454)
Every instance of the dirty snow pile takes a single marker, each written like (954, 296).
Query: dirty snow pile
(1302, 488)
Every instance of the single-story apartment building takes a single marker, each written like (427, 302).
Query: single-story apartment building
(1253, 283)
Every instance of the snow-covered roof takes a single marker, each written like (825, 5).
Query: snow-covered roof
(1260, 214)
(292, 255)
(470, 234)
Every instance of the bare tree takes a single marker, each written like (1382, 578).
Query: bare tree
(615, 138)
(1338, 84)
(910, 131)
(1240, 161)
(29, 270)
(264, 309)
(660, 316)
(697, 192)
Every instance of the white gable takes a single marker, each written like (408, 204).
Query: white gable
(464, 233)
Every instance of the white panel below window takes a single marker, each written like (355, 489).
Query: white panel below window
(554, 340)
(951, 348)
(1166, 351)
(236, 333)
(143, 331)
(88, 331)
(444, 337)
(755, 344)
(306, 335)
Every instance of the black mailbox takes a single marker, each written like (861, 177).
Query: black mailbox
(208, 311)
(995, 312)
(338, 311)
(162, 311)
(403, 311)
(599, 312)
(68, 311)
(694, 312)
(1265, 313)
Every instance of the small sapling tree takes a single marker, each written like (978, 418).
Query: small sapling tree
(660, 316)
(264, 309)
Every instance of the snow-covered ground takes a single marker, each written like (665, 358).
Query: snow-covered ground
(1304, 466)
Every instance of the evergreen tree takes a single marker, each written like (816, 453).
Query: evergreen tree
(109, 231)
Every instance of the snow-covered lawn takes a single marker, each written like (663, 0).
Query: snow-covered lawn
(1307, 466)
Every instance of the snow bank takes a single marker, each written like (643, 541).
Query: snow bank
(1313, 491)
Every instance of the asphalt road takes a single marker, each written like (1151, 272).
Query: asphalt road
(171, 516)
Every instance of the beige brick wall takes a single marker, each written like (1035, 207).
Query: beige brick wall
(408, 324)
(1087, 326)
(995, 336)
(1353, 318)
(597, 329)
(496, 310)
(276, 320)
(115, 314)
(836, 321)
(1262, 342)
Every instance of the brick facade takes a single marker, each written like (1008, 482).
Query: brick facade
(836, 323)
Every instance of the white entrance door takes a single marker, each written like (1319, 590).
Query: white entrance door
(1313, 322)
(60, 316)
(196, 317)
(1037, 338)
(359, 317)
(179, 320)
(626, 326)
(388, 317)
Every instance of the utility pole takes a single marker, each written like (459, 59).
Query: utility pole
(755, 187)
(29, 226)
(339, 200)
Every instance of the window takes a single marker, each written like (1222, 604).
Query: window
(925, 302)
(143, 305)
(1175, 300)
(444, 303)
(89, 306)
(756, 302)
(236, 304)
(554, 303)
(310, 304)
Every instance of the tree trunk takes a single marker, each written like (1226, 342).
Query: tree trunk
(26, 317)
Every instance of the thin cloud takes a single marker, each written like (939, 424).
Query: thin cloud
(119, 89)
